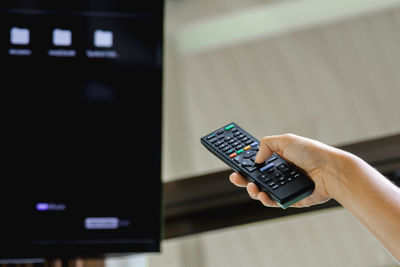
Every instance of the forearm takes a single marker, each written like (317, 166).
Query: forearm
(371, 198)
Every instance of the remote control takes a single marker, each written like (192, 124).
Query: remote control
(282, 181)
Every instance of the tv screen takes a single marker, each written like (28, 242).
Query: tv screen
(81, 127)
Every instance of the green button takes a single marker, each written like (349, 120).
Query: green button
(229, 127)
(239, 151)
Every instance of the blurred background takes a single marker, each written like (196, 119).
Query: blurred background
(327, 70)
(323, 69)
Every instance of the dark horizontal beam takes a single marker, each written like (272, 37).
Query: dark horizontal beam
(210, 201)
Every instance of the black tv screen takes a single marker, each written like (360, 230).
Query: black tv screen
(81, 127)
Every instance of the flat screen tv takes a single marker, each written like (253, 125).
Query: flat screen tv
(80, 122)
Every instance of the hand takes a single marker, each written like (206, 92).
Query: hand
(356, 185)
(315, 158)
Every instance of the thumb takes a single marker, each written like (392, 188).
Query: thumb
(269, 145)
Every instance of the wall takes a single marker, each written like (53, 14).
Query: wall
(327, 238)
(335, 82)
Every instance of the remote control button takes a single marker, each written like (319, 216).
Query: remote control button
(234, 129)
(227, 138)
(223, 145)
(250, 169)
(227, 128)
(275, 187)
(248, 153)
(220, 137)
(220, 131)
(210, 136)
(254, 144)
(239, 146)
(232, 155)
(218, 143)
(247, 148)
(273, 158)
(232, 140)
(236, 143)
(266, 167)
(284, 167)
(226, 148)
(246, 163)
(239, 151)
(238, 158)
(212, 141)
(263, 176)
(237, 133)
(244, 139)
(230, 151)
(248, 142)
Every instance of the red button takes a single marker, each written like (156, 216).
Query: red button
(232, 155)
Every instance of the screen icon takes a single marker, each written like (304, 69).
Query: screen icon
(19, 36)
(42, 206)
(101, 223)
(103, 38)
(62, 37)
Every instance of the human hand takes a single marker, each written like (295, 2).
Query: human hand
(356, 185)
(316, 159)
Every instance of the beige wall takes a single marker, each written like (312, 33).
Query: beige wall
(337, 83)
(327, 238)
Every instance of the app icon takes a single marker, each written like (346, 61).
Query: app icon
(19, 36)
(62, 37)
(98, 223)
(103, 38)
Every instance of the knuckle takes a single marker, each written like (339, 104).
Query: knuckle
(264, 139)
(288, 136)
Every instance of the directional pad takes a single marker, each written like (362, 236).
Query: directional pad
(249, 153)
(247, 163)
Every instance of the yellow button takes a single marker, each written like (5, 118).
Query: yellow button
(247, 147)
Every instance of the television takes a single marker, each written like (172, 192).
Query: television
(81, 98)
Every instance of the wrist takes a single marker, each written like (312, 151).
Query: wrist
(340, 165)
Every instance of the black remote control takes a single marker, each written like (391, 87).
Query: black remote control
(282, 181)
